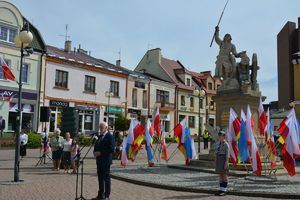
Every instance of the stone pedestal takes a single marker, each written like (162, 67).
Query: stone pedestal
(236, 99)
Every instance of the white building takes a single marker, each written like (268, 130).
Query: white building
(75, 79)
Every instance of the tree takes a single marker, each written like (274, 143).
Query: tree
(122, 123)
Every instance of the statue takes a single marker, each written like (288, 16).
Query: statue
(243, 69)
(226, 64)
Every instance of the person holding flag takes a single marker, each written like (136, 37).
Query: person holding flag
(222, 161)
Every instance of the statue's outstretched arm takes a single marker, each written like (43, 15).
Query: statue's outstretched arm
(217, 37)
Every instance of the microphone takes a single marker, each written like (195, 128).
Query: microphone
(95, 137)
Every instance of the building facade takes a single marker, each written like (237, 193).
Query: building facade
(11, 22)
(288, 43)
(175, 74)
(296, 100)
(210, 84)
(95, 88)
(138, 97)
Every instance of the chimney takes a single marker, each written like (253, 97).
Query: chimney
(118, 63)
(68, 46)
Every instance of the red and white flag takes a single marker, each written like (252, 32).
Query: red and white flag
(157, 124)
(7, 73)
(262, 118)
(256, 162)
(234, 125)
(289, 130)
(232, 148)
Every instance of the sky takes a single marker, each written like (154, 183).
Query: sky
(182, 29)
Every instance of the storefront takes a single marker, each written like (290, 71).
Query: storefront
(56, 108)
(9, 107)
(140, 114)
(113, 114)
(88, 118)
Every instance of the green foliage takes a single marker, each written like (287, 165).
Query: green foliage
(83, 140)
(122, 123)
(68, 122)
(34, 140)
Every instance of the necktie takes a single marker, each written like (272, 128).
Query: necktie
(101, 136)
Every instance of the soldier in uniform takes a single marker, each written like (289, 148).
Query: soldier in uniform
(222, 159)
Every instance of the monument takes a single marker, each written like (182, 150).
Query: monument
(239, 87)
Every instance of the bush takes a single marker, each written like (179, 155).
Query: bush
(34, 140)
(83, 140)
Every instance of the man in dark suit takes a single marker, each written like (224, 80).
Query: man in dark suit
(103, 151)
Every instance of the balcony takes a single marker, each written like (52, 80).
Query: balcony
(165, 106)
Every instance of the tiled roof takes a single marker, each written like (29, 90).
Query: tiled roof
(170, 67)
(200, 79)
(83, 58)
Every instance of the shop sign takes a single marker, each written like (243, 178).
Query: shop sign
(113, 109)
(14, 94)
(134, 111)
(59, 103)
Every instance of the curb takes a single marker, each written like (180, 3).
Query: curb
(203, 170)
(208, 191)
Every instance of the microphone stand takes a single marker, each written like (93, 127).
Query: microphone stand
(91, 142)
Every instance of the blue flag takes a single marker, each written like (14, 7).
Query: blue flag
(242, 145)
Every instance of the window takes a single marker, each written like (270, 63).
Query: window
(188, 82)
(89, 85)
(8, 34)
(191, 121)
(192, 102)
(25, 73)
(210, 86)
(162, 96)
(8, 63)
(139, 84)
(218, 86)
(134, 97)
(145, 99)
(201, 103)
(114, 88)
(181, 117)
(61, 79)
(182, 100)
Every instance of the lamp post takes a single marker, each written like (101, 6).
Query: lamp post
(200, 94)
(108, 94)
(22, 41)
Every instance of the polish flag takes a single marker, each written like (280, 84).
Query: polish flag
(233, 148)
(256, 162)
(234, 125)
(289, 130)
(157, 124)
(262, 118)
(7, 73)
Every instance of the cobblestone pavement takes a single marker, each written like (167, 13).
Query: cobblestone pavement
(42, 183)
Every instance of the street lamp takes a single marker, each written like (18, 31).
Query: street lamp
(108, 94)
(22, 41)
(200, 94)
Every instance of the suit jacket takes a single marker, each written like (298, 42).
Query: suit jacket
(106, 146)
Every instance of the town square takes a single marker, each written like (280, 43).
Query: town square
(149, 100)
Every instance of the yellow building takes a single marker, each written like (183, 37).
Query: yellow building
(296, 102)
